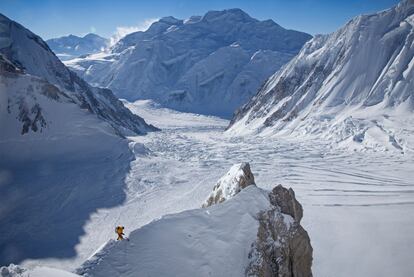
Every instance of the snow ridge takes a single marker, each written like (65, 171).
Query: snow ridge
(268, 240)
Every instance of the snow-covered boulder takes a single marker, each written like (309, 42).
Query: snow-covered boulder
(354, 86)
(210, 64)
(237, 178)
(249, 234)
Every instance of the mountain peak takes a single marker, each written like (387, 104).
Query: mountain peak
(234, 14)
(170, 20)
(92, 36)
(406, 6)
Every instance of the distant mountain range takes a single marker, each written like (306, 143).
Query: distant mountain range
(207, 64)
(69, 47)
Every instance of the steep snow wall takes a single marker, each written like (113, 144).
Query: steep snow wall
(353, 86)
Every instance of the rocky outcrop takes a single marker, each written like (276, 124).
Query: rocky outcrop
(238, 177)
(282, 247)
(285, 199)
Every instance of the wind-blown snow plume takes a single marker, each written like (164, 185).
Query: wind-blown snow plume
(122, 31)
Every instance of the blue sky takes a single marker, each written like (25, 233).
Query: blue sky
(56, 18)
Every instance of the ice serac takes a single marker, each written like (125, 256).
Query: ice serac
(69, 47)
(238, 177)
(32, 56)
(253, 233)
(350, 85)
(207, 64)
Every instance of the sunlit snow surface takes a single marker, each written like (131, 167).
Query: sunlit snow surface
(358, 206)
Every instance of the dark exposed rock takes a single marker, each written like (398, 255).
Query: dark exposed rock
(285, 199)
(282, 247)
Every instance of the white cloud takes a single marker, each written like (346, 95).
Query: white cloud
(122, 31)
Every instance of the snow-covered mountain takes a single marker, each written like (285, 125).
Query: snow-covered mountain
(71, 46)
(354, 86)
(207, 64)
(62, 149)
(254, 232)
(31, 55)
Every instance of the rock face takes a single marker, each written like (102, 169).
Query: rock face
(285, 199)
(283, 247)
(209, 64)
(341, 86)
(238, 177)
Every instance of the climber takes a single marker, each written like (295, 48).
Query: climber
(120, 231)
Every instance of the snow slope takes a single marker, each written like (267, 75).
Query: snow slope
(69, 47)
(354, 86)
(47, 145)
(62, 149)
(203, 242)
(210, 64)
